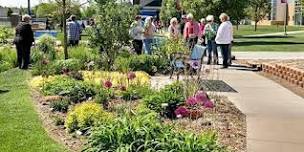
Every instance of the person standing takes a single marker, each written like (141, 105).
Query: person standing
(149, 30)
(191, 31)
(224, 37)
(74, 30)
(201, 31)
(210, 32)
(136, 32)
(173, 29)
(24, 38)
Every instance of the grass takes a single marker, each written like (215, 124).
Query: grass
(20, 127)
(291, 43)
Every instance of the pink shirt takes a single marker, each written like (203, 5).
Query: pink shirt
(201, 29)
(191, 30)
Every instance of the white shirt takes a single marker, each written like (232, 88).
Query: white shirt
(225, 33)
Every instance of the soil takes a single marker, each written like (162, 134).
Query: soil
(73, 143)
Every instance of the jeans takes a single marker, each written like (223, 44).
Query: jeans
(229, 54)
(137, 45)
(23, 55)
(212, 51)
(148, 46)
(225, 53)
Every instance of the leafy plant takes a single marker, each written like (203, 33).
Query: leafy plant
(47, 45)
(8, 55)
(4, 66)
(5, 33)
(86, 115)
(173, 46)
(76, 91)
(65, 66)
(135, 92)
(84, 54)
(60, 105)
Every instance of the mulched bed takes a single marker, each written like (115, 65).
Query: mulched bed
(73, 142)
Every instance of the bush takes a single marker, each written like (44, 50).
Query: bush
(4, 66)
(5, 33)
(151, 64)
(76, 91)
(102, 96)
(84, 54)
(135, 92)
(46, 45)
(60, 105)
(86, 115)
(9, 56)
(143, 131)
(69, 65)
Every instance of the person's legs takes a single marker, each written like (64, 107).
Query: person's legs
(137, 44)
(76, 42)
(209, 45)
(19, 55)
(224, 50)
(26, 56)
(229, 54)
(215, 53)
(148, 46)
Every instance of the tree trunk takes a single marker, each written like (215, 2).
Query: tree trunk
(66, 56)
(237, 24)
(255, 25)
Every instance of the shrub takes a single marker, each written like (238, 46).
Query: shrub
(46, 45)
(76, 91)
(9, 56)
(86, 115)
(5, 33)
(102, 96)
(60, 105)
(136, 92)
(84, 55)
(65, 66)
(143, 131)
(4, 66)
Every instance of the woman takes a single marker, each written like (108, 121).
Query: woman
(23, 40)
(191, 31)
(201, 31)
(149, 30)
(210, 34)
(136, 33)
(224, 37)
(173, 30)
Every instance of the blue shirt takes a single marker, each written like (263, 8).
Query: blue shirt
(74, 30)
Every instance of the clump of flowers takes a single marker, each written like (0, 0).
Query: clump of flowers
(131, 75)
(198, 101)
(107, 84)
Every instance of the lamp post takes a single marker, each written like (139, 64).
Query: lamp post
(29, 7)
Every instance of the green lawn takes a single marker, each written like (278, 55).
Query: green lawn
(20, 127)
(291, 43)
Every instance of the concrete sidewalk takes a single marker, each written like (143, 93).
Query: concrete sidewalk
(275, 115)
(269, 55)
(274, 34)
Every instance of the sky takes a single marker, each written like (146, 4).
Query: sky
(23, 3)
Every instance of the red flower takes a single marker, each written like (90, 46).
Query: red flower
(181, 112)
(131, 75)
(191, 101)
(208, 104)
(108, 84)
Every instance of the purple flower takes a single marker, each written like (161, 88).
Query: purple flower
(191, 101)
(201, 96)
(195, 64)
(208, 104)
(131, 75)
(181, 112)
(108, 84)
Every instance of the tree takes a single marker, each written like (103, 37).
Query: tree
(113, 21)
(9, 12)
(88, 12)
(168, 10)
(236, 10)
(258, 10)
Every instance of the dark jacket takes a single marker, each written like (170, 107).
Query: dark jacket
(24, 34)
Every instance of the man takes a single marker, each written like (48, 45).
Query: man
(23, 40)
(74, 30)
(224, 37)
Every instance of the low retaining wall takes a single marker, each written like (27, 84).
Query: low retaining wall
(291, 74)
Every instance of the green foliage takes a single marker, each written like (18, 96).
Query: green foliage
(8, 57)
(168, 10)
(172, 46)
(61, 105)
(103, 96)
(143, 131)
(76, 91)
(258, 9)
(84, 54)
(60, 66)
(86, 115)
(151, 64)
(134, 92)
(4, 66)
(46, 46)
(5, 33)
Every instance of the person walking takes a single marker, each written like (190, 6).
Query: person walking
(210, 32)
(149, 30)
(74, 31)
(173, 29)
(24, 38)
(191, 31)
(224, 37)
(136, 32)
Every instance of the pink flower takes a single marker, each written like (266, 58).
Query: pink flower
(208, 104)
(201, 96)
(182, 112)
(191, 101)
(108, 84)
(131, 75)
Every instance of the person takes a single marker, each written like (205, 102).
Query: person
(24, 38)
(74, 30)
(230, 46)
(210, 33)
(149, 30)
(191, 31)
(201, 31)
(182, 24)
(136, 32)
(173, 29)
(224, 37)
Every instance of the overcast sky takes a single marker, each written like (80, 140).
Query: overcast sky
(23, 3)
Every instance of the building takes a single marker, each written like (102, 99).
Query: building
(278, 13)
(4, 10)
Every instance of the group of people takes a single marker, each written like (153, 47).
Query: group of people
(207, 33)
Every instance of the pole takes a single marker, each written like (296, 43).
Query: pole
(29, 7)
(64, 29)
(286, 19)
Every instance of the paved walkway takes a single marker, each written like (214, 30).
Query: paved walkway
(275, 116)
(275, 34)
(269, 55)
